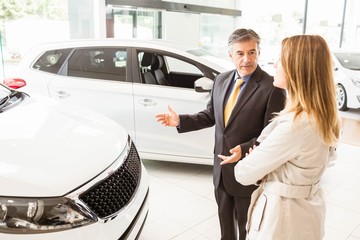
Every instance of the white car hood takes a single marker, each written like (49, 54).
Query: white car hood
(50, 149)
(355, 74)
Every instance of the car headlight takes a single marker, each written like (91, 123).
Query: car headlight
(356, 82)
(39, 215)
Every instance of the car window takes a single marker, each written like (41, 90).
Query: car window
(176, 65)
(99, 63)
(51, 61)
(167, 70)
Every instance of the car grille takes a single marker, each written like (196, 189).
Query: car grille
(113, 193)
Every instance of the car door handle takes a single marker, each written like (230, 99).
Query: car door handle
(62, 94)
(147, 102)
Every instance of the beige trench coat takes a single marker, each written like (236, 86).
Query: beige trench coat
(288, 205)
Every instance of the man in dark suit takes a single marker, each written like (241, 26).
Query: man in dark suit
(257, 101)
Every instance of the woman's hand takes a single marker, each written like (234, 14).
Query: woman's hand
(250, 150)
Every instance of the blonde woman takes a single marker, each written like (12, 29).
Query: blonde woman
(294, 148)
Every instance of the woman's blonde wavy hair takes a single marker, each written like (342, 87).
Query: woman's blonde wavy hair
(308, 67)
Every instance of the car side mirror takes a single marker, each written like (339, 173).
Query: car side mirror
(203, 84)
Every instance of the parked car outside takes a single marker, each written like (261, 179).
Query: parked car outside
(347, 77)
(130, 81)
(67, 173)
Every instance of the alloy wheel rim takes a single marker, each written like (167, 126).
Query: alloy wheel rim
(340, 97)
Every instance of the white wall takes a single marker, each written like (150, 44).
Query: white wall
(24, 33)
(183, 27)
(99, 19)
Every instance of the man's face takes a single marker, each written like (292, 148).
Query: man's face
(245, 56)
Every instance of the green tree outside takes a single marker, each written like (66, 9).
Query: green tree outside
(11, 10)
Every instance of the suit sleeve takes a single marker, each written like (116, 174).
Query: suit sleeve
(276, 103)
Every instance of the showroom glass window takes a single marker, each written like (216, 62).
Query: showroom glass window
(98, 63)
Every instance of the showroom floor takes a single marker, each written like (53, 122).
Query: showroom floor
(182, 205)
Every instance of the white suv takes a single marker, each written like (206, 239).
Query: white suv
(67, 173)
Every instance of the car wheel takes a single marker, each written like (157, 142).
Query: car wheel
(341, 98)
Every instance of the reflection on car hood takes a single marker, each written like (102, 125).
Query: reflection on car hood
(49, 149)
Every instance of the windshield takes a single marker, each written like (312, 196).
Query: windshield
(8, 96)
(4, 95)
(349, 60)
(4, 92)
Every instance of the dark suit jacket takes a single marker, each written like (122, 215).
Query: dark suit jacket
(257, 103)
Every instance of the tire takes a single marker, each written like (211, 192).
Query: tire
(341, 98)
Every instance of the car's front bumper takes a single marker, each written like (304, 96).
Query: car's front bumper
(126, 225)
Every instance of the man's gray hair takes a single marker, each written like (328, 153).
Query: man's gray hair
(242, 34)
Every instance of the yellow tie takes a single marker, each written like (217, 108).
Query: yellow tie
(232, 100)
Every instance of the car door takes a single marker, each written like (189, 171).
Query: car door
(176, 90)
(97, 78)
(38, 74)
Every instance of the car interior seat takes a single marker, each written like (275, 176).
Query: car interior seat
(147, 61)
(159, 74)
(100, 59)
(85, 62)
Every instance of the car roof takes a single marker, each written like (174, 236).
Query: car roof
(113, 42)
(207, 59)
(356, 51)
